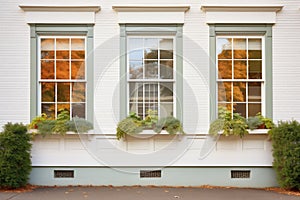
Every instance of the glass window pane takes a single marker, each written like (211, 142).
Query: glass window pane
(77, 44)
(133, 107)
(151, 69)
(47, 44)
(166, 92)
(151, 54)
(135, 43)
(166, 48)
(224, 46)
(62, 70)
(253, 109)
(151, 48)
(78, 92)
(240, 69)
(254, 49)
(228, 106)
(63, 92)
(49, 109)
(62, 54)
(47, 54)
(78, 110)
(166, 69)
(166, 109)
(135, 92)
(78, 54)
(63, 106)
(239, 91)
(135, 69)
(48, 92)
(224, 69)
(136, 55)
(239, 48)
(77, 70)
(151, 106)
(62, 43)
(166, 44)
(224, 91)
(240, 108)
(151, 93)
(255, 70)
(47, 69)
(151, 43)
(254, 92)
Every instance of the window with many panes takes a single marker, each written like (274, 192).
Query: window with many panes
(240, 73)
(151, 77)
(62, 75)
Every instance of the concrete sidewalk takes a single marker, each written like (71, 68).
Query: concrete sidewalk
(147, 193)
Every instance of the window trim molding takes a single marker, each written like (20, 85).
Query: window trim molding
(129, 29)
(257, 29)
(40, 29)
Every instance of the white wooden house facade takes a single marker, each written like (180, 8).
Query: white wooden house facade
(103, 59)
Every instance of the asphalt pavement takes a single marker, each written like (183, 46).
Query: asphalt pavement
(144, 193)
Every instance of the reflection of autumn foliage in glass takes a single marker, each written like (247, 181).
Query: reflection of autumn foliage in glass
(239, 59)
(63, 59)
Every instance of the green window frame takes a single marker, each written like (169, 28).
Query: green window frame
(38, 30)
(264, 30)
(127, 30)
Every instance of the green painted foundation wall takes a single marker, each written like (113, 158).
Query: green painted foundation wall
(170, 176)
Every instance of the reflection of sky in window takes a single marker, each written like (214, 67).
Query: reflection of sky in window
(223, 43)
(136, 54)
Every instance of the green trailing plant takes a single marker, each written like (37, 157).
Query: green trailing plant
(79, 125)
(254, 123)
(36, 120)
(128, 126)
(62, 124)
(228, 124)
(259, 122)
(133, 124)
(150, 120)
(15, 163)
(286, 152)
(170, 124)
(266, 122)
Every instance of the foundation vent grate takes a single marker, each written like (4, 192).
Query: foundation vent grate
(150, 174)
(63, 173)
(240, 173)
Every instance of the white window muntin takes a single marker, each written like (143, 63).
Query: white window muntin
(70, 80)
(262, 80)
(157, 80)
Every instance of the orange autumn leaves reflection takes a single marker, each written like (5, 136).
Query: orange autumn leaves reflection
(63, 59)
(239, 60)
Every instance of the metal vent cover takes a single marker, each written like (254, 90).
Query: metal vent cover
(150, 173)
(63, 173)
(240, 173)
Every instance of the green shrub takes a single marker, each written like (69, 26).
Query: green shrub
(286, 153)
(15, 163)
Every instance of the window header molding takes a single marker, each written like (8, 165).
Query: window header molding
(241, 14)
(60, 14)
(151, 8)
(241, 8)
(58, 8)
(151, 14)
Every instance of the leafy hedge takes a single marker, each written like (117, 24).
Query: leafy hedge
(286, 153)
(15, 163)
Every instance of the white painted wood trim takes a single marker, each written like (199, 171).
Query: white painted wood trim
(151, 8)
(241, 8)
(60, 8)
